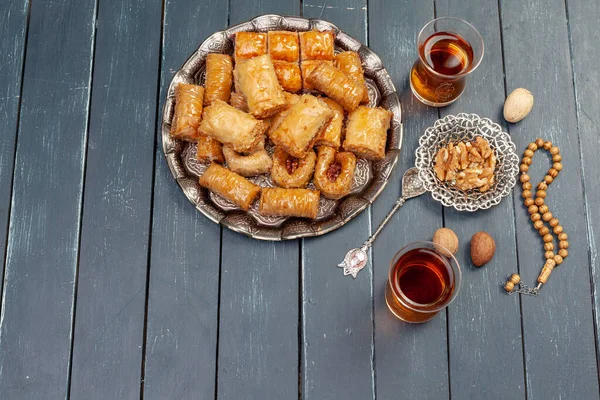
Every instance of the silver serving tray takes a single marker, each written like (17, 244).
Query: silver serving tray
(370, 179)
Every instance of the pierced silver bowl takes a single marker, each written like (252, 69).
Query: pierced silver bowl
(461, 127)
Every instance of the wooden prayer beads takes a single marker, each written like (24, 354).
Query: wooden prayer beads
(540, 215)
(512, 281)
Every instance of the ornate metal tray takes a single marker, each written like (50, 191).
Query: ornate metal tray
(370, 179)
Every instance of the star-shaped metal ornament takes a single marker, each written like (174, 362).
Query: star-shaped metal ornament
(354, 261)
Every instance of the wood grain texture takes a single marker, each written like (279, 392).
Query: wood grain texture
(411, 361)
(181, 339)
(111, 291)
(258, 332)
(484, 324)
(337, 311)
(583, 16)
(475, 350)
(13, 26)
(35, 322)
(558, 326)
(240, 11)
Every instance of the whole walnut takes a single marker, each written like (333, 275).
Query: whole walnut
(446, 238)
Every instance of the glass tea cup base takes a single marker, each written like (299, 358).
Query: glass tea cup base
(431, 103)
(403, 313)
(424, 278)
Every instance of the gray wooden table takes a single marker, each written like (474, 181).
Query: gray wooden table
(115, 287)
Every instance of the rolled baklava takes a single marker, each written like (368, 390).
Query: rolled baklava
(332, 82)
(280, 202)
(349, 63)
(219, 76)
(230, 185)
(188, 112)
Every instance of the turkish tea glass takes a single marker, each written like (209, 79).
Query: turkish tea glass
(449, 50)
(424, 278)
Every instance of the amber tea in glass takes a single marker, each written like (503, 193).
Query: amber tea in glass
(449, 49)
(424, 278)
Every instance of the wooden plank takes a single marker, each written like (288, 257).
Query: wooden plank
(333, 338)
(558, 326)
(111, 290)
(582, 16)
(411, 361)
(258, 342)
(13, 27)
(181, 339)
(37, 310)
(483, 323)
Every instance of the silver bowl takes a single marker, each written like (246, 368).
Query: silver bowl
(461, 127)
(370, 177)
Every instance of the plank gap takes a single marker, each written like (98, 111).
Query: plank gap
(439, 115)
(300, 313)
(371, 253)
(218, 333)
(14, 160)
(526, 390)
(157, 118)
(83, 174)
(218, 312)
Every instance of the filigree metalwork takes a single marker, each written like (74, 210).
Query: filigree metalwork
(455, 128)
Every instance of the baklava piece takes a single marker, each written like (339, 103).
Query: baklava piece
(366, 132)
(291, 172)
(280, 202)
(188, 112)
(334, 173)
(230, 185)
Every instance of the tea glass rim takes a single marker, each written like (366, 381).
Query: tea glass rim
(461, 74)
(457, 272)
